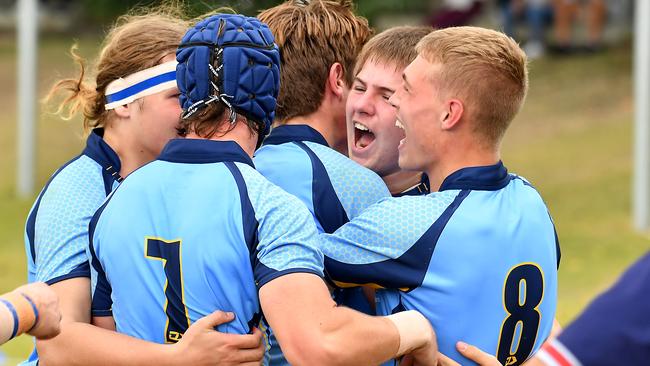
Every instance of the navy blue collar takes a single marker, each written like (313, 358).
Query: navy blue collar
(196, 151)
(98, 150)
(481, 178)
(290, 133)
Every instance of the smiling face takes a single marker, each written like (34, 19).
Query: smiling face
(420, 108)
(372, 135)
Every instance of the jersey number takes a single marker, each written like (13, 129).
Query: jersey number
(169, 252)
(522, 309)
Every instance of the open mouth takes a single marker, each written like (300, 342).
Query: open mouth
(363, 136)
(399, 125)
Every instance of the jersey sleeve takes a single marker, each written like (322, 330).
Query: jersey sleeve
(61, 224)
(288, 167)
(356, 187)
(615, 327)
(286, 232)
(390, 244)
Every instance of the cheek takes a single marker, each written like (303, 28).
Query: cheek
(172, 114)
(386, 117)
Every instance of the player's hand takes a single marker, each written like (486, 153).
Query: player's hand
(48, 324)
(202, 345)
(470, 352)
(423, 356)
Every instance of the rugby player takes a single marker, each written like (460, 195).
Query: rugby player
(304, 154)
(373, 136)
(200, 229)
(612, 330)
(131, 109)
(478, 256)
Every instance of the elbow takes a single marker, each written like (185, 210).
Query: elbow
(49, 354)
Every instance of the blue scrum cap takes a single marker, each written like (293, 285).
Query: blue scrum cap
(230, 58)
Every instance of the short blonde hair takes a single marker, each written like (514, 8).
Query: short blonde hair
(312, 36)
(486, 69)
(394, 46)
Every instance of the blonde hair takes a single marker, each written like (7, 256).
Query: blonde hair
(137, 41)
(394, 46)
(483, 67)
(312, 36)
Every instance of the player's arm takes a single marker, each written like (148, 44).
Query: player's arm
(309, 326)
(201, 345)
(312, 330)
(388, 245)
(32, 309)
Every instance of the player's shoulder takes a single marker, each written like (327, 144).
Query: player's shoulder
(275, 152)
(524, 184)
(76, 172)
(78, 180)
(418, 211)
(334, 160)
(257, 183)
(343, 169)
(526, 191)
(281, 159)
(266, 195)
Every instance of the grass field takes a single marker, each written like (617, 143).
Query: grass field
(572, 140)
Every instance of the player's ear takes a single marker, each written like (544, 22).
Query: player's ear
(336, 80)
(123, 111)
(452, 114)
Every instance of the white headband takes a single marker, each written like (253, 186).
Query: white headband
(142, 83)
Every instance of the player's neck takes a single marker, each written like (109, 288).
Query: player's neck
(454, 162)
(329, 121)
(240, 134)
(131, 154)
(402, 180)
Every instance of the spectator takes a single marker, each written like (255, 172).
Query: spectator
(536, 14)
(454, 13)
(566, 13)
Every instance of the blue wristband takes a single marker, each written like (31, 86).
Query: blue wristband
(11, 308)
(29, 299)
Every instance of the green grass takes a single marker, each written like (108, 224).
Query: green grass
(56, 141)
(573, 140)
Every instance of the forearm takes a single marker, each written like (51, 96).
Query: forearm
(81, 343)
(95, 346)
(18, 315)
(317, 332)
(352, 338)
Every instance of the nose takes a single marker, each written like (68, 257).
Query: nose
(364, 104)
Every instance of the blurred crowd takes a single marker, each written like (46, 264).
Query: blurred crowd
(543, 26)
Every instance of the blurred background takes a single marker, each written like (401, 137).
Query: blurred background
(573, 139)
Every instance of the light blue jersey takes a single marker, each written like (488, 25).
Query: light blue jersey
(333, 187)
(195, 231)
(56, 233)
(478, 258)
